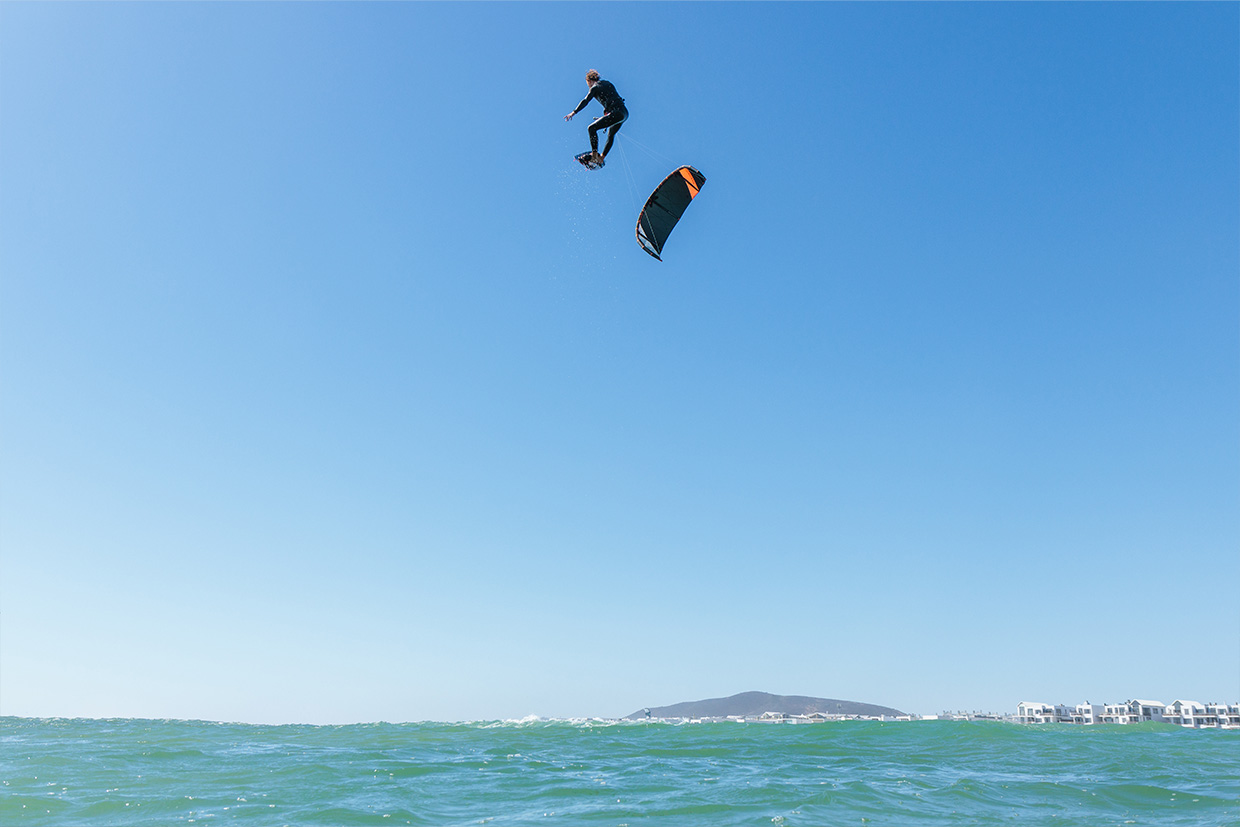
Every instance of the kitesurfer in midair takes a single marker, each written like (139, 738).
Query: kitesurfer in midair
(614, 113)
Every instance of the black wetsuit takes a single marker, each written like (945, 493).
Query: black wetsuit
(614, 113)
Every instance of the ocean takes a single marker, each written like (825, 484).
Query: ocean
(147, 772)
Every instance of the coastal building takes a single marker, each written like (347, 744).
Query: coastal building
(1087, 713)
(1041, 713)
(1181, 712)
(1115, 714)
(1186, 713)
(1146, 710)
(1033, 712)
(1195, 715)
(1133, 712)
(1228, 714)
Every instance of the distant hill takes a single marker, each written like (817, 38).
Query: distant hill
(753, 704)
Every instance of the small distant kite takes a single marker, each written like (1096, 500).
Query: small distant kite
(665, 206)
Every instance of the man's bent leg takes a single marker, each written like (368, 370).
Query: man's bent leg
(608, 119)
(611, 136)
(621, 116)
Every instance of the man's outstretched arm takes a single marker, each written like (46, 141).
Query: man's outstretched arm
(581, 105)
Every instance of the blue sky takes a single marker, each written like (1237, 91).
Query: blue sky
(332, 389)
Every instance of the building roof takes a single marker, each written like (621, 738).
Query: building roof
(1183, 703)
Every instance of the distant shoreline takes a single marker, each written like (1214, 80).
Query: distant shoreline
(531, 720)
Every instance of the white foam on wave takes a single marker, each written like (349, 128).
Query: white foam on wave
(586, 722)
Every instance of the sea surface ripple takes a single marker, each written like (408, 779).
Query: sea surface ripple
(140, 772)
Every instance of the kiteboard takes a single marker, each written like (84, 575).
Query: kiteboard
(587, 160)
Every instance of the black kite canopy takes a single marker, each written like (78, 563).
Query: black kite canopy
(665, 207)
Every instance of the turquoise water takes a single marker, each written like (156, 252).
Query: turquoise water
(70, 772)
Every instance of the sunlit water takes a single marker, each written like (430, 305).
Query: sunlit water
(71, 772)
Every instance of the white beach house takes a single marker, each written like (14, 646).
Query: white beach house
(1087, 713)
(1228, 714)
(1033, 712)
(1182, 712)
(1197, 715)
(1146, 711)
(1186, 713)
(1133, 712)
